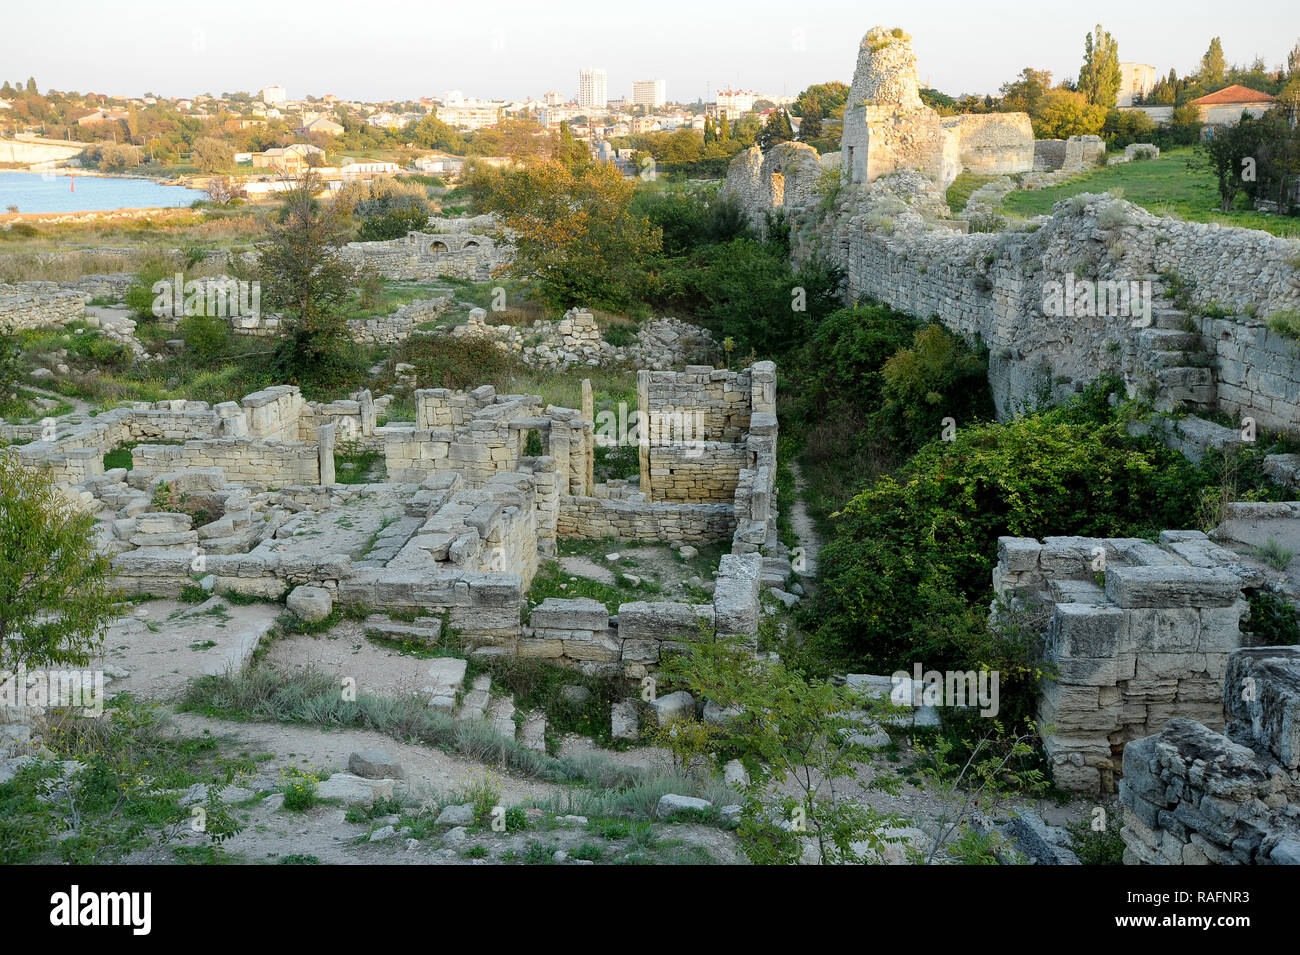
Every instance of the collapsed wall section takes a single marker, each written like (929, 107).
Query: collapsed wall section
(1194, 796)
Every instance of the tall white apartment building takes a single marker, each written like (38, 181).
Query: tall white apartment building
(552, 98)
(736, 102)
(273, 95)
(593, 92)
(648, 93)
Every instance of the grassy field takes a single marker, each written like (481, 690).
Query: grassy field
(1178, 184)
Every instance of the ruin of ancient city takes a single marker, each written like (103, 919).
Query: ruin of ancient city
(898, 469)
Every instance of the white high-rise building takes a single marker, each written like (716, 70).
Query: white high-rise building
(648, 93)
(552, 98)
(273, 95)
(593, 90)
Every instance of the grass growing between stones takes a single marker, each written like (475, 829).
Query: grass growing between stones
(1178, 183)
(552, 580)
(313, 698)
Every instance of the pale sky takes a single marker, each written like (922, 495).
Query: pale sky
(384, 49)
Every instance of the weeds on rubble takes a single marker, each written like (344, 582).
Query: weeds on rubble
(119, 792)
(552, 580)
(310, 697)
(1095, 839)
(292, 623)
(1275, 555)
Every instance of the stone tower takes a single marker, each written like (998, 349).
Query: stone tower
(887, 127)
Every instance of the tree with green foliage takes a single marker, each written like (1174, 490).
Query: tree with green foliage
(776, 129)
(210, 154)
(790, 731)
(1065, 113)
(1213, 67)
(1099, 79)
(577, 240)
(1025, 93)
(1229, 152)
(55, 601)
(304, 276)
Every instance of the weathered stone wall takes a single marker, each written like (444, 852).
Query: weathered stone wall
(32, 305)
(424, 255)
(582, 632)
(245, 460)
(1148, 644)
(576, 339)
(991, 144)
(1193, 796)
(994, 287)
(634, 518)
(786, 177)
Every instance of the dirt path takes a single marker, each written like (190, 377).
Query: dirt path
(803, 524)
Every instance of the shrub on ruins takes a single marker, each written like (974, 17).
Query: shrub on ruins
(207, 338)
(304, 276)
(117, 785)
(689, 220)
(870, 387)
(384, 208)
(904, 544)
(12, 370)
(801, 742)
(442, 362)
(55, 600)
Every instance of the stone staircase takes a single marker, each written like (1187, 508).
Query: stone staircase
(1172, 359)
(446, 690)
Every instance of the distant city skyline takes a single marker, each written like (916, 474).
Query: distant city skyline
(515, 50)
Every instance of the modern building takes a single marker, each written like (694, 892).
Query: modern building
(470, 114)
(1136, 80)
(1224, 107)
(553, 98)
(321, 125)
(735, 103)
(648, 93)
(273, 94)
(593, 88)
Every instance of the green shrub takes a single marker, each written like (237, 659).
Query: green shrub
(1274, 620)
(1095, 844)
(443, 362)
(207, 338)
(912, 555)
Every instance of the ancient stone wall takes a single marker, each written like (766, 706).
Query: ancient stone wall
(1194, 796)
(246, 460)
(421, 256)
(996, 287)
(1137, 634)
(990, 144)
(32, 305)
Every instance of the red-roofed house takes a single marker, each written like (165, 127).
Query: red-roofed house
(1224, 107)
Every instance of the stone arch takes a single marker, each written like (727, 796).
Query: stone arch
(437, 247)
(471, 243)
